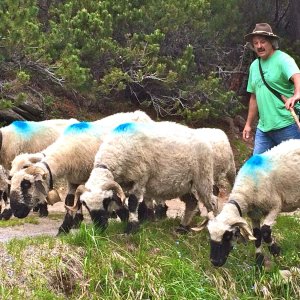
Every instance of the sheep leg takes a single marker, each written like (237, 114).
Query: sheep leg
(191, 208)
(267, 232)
(259, 257)
(7, 212)
(133, 222)
(267, 237)
(78, 218)
(68, 221)
(161, 210)
(146, 210)
(43, 209)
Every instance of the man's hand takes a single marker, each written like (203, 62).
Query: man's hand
(290, 102)
(247, 132)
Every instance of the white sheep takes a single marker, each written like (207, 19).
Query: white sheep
(28, 136)
(266, 185)
(71, 156)
(148, 161)
(224, 171)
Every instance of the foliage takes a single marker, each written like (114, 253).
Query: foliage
(177, 57)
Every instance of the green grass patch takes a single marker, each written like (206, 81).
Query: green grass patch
(17, 222)
(154, 263)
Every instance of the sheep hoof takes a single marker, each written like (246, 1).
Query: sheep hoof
(132, 227)
(274, 249)
(6, 214)
(183, 229)
(259, 260)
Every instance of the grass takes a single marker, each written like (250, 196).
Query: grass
(155, 263)
(16, 222)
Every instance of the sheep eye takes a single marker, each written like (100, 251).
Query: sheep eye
(227, 236)
(25, 184)
(25, 167)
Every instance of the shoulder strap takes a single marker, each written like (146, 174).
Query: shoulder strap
(277, 94)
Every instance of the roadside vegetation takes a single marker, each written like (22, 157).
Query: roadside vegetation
(155, 263)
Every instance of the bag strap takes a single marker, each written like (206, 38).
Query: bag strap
(276, 93)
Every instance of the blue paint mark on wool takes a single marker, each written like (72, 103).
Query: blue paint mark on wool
(25, 128)
(126, 128)
(255, 165)
(77, 128)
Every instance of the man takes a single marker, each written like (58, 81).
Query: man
(275, 124)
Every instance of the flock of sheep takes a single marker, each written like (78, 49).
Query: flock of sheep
(129, 165)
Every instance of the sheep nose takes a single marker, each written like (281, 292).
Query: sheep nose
(20, 210)
(217, 262)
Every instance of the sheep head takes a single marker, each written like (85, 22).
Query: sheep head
(223, 232)
(24, 161)
(99, 200)
(28, 187)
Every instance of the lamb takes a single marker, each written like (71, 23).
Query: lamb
(71, 156)
(266, 185)
(28, 136)
(148, 161)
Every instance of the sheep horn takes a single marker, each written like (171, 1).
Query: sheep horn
(245, 230)
(113, 185)
(79, 191)
(201, 226)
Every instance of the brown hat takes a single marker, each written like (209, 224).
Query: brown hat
(261, 29)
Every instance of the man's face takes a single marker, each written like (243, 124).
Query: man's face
(262, 46)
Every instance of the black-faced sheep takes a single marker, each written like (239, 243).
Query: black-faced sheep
(28, 136)
(70, 157)
(224, 174)
(266, 185)
(149, 161)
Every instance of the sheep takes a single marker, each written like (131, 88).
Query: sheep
(224, 169)
(71, 156)
(28, 136)
(3, 186)
(148, 161)
(266, 185)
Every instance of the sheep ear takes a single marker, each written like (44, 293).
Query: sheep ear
(245, 230)
(35, 159)
(113, 185)
(40, 187)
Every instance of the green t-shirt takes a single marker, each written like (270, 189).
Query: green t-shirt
(277, 70)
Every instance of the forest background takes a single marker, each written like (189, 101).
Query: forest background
(185, 59)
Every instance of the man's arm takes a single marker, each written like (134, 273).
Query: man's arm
(296, 97)
(252, 115)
